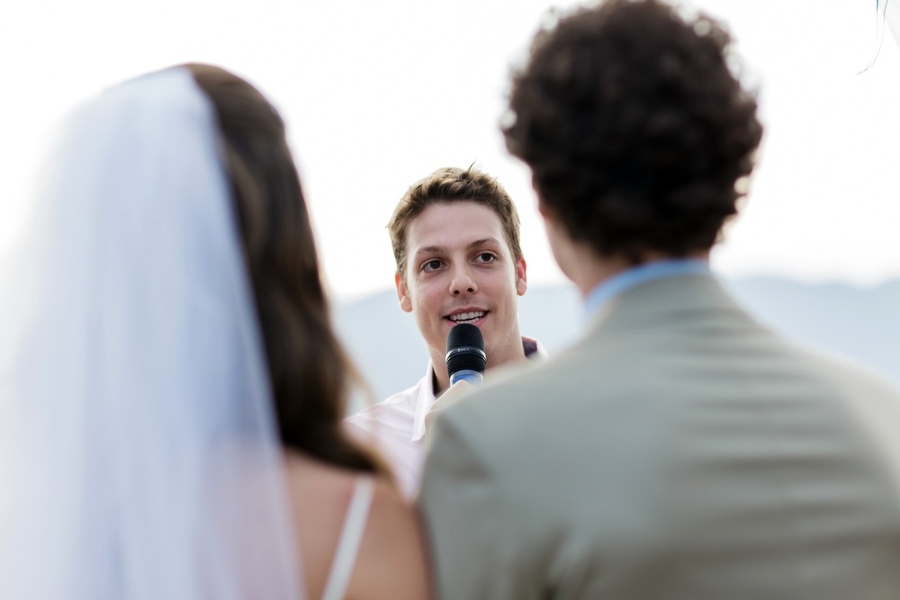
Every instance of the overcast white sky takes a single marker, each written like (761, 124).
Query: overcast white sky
(378, 94)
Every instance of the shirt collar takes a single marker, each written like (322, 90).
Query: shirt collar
(607, 289)
(425, 397)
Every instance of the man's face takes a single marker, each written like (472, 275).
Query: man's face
(459, 269)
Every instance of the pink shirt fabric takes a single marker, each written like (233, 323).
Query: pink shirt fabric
(396, 426)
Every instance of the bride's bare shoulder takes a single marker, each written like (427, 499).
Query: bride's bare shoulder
(391, 562)
(316, 479)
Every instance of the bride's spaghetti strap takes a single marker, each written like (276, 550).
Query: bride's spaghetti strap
(351, 536)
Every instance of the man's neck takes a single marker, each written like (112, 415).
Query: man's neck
(594, 269)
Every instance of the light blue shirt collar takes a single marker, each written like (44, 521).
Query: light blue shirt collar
(607, 289)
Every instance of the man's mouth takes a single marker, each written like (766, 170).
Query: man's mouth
(466, 317)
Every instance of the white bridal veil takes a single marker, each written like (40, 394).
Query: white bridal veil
(139, 457)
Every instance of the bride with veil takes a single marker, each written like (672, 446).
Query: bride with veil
(171, 389)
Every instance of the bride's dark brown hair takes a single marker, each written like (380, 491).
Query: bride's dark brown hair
(308, 369)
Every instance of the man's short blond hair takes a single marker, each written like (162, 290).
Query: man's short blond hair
(447, 185)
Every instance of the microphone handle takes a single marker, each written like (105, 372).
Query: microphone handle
(473, 377)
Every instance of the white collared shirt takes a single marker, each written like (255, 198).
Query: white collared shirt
(396, 426)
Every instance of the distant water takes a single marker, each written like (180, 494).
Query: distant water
(862, 325)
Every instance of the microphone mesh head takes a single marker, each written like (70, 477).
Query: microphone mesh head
(465, 334)
(465, 349)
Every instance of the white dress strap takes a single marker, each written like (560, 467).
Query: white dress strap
(351, 536)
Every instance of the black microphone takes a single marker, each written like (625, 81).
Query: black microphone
(465, 358)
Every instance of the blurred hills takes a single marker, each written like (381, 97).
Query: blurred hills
(862, 325)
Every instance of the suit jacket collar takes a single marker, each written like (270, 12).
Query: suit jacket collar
(657, 302)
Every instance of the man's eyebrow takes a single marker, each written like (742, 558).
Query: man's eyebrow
(441, 249)
(489, 240)
(430, 250)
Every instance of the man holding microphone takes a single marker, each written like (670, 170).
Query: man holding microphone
(455, 236)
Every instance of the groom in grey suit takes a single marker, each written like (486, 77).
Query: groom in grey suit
(680, 450)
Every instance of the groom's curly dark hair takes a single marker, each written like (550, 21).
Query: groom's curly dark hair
(635, 127)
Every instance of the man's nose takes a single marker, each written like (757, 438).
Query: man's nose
(463, 281)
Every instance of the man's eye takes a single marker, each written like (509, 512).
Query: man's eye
(486, 257)
(431, 265)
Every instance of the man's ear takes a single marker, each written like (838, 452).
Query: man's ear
(545, 211)
(552, 224)
(402, 292)
(521, 279)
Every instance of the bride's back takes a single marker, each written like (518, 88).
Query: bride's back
(172, 389)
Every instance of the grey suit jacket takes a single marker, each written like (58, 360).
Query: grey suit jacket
(679, 451)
